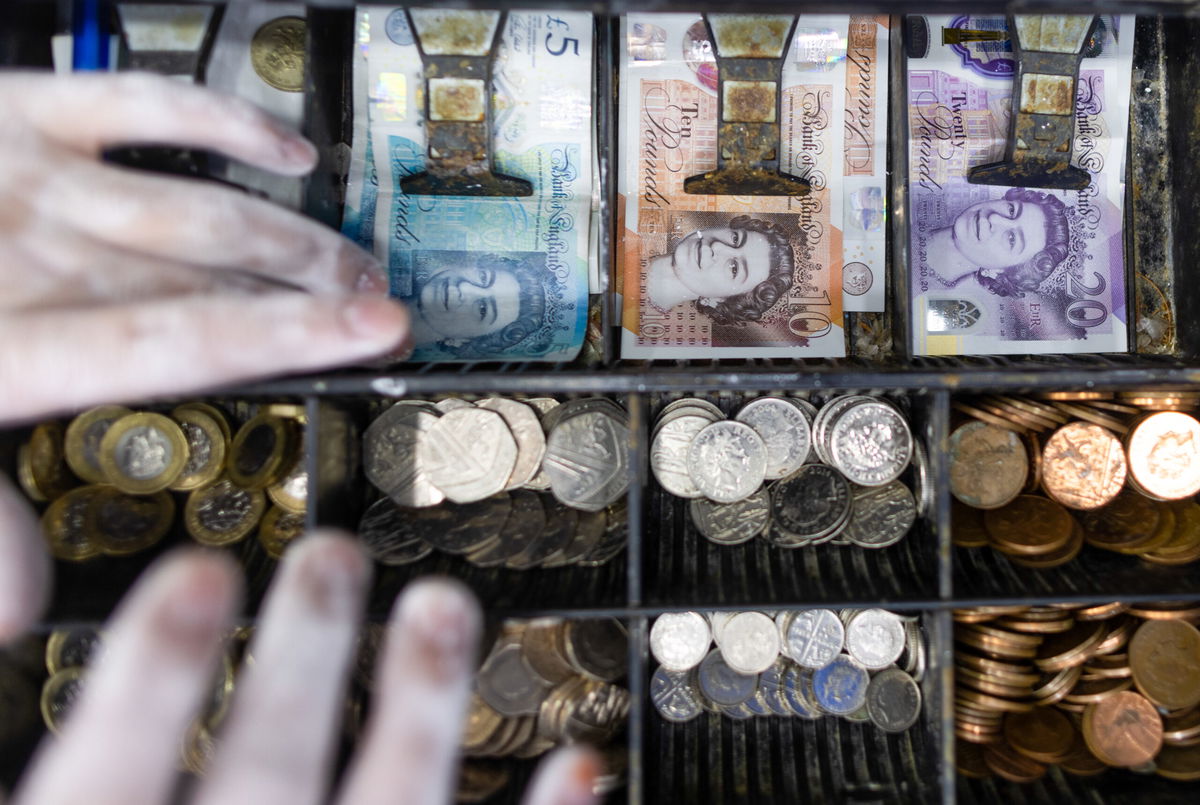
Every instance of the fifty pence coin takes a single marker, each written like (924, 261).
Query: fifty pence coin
(722, 685)
(674, 696)
(893, 700)
(390, 459)
(840, 688)
(468, 453)
(727, 461)
(880, 516)
(526, 428)
(875, 638)
(784, 431)
(732, 523)
(395, 536)
(750, 642)
(680, 640)
(814, 637)
(587, 459)
(871, 444)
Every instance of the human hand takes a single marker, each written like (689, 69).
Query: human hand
(117, 284)
(120, 745)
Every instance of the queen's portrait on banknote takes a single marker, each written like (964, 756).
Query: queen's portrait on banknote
(731, 273)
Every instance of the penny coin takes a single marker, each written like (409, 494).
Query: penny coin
(750, 642)
(477, 782)
(42, 465)
(1164, 455)
(1131, 519)
(723, 685)
(1164, 656)
(727, 461)
(82, 441)
(893, 700)
(680, 640)
(880, 516)
(840, 688)
(279, 528)
(784, 431)
(261, 452)
(731, 523)
(1123, 730)
(674, 696)
(278, 53)
(1083, 466)
(1044, 734)
(482, 723)
(1060, 556)
(222, 513)
(871, 444)
(206, 448)
(814, 637)
(123, 524)
(875, 638)
(988, 465)
(1180, 763)
(469, 454)
(66, 527)
(587, 457)
(669, 451)
(966, 526)
(1029, 525)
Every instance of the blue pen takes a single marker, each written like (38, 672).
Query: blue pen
(90, 35)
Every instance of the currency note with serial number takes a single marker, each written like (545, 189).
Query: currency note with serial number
(727, 276)
(486, 278)
(998, 270)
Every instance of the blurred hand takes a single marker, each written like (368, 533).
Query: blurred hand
(121, 743)
(122, 285)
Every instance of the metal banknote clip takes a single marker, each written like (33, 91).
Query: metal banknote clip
(1048, 49)
(749, 49)
(457, 48)
(167, 38)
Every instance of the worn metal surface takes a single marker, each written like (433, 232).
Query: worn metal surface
(1048, 49)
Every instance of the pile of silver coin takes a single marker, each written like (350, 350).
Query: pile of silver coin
(861, 665)
(422, 453)
(796, 475)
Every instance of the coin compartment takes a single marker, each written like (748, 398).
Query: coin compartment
(714, 758)
(986, 573)
(343, 494)
(679, 561)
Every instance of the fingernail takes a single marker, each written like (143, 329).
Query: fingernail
(333, 573)
(370, 318)
(446, 622)
(298, 151)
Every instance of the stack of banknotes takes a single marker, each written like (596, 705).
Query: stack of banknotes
(487, 278)
(1000, 270)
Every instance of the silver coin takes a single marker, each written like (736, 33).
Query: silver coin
(811, 503)
(688, 411)
(797, 693)
(674, 695)
(923, 484)
(598, 648)
(724, 686)
(732, 523)
(616, 534)
(695, 402)
(860, 715)
(716, 622)
(784, 431)
(739, 711)
(680, 640)
(395, 536)
(390, 459)
(727, 461)
(914, 651)
(473, 526)
(508, 683)
(840, 688)
(525, 523)
(585, 405)
(526, 428)
(669, 452)
(893, 700)
(469, 454)
(771, 687)
(144, 452)
(543, 406)
(875, 638)
(871, 444)
(880, 515)
(757, 704)
(589, 530)
(558, 531)
(451, 404)
(814, 638)
(828, 412)
(587, 460)
(750, 642)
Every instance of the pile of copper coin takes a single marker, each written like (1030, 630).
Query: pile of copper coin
(1038, 478)
(106, 478)
(1080, 687)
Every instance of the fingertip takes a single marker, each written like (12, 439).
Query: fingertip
(567, 777)
(191, 596)
(332, 568)
(386, 323)
(445, 619)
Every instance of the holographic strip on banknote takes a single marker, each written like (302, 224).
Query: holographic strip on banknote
(998, 270)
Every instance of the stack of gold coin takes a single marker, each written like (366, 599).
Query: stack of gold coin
(107, 478)
(1083, 687)
(1038, 478)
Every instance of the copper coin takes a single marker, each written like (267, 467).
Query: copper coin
(1070, 396)
(968, 759)
(966, 526)
(1164, 455)
(989, 418)
(1071, 648)
(1053, 688)
(1165, 658)
(1182, 728)
(1119, 633)
(1130, 519)
(1096, 690)
(988, 465)
(1083, 466)
(1100, 612)
(1061, 556)
(1029, 526)
(1079, 760)
(1162, 534)
(1123, 730)
(1179, 763)
(1010, 764)
(1043, 735)
(1093, 416)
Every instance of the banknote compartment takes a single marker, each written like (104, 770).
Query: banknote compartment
(717, 759)
(344, 494)
(678, 561)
